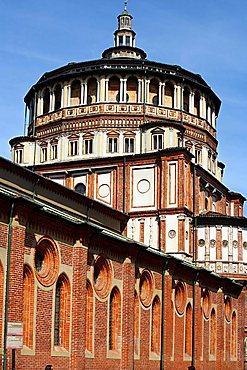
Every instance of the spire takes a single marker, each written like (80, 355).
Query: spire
(125, 7)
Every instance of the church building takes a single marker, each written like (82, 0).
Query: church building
(121, 247)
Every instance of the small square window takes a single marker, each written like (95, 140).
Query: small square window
(113, 144)
(129, 145)
(157, 141)
(18, 155)
(43, 154)
(54, 151)
(88, 146)
(120, 40)
(73, 147)
(198, 156)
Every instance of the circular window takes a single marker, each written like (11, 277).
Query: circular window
(46, 261)
(180, 297)
(146, 288)
(102, 277)
(172, 234)
(228, 309)
(225, 243)
(80, 188)
(104, 190)
(143, 186)
(206, 304)
(201, 242)
(212, 243)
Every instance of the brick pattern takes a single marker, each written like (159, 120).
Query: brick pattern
(28, 307)
(131, 321)
(1, 301)
(62, 313)
(89, 318)
(155, 328)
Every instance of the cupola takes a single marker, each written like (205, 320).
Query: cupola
(124, 39)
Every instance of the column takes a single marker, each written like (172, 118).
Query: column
(200, 107)
(82, 93)
(102, 89)
(80, 143)
(160, 94)
(123, 96)
(121, 92)
(51, 101)
(209, 114)
(98, 92)
(15, 298)
(181, 233)
(180, 97)
(106, 89)
(204, 107)
(62, 97)
(175, 98)
(140, 90)
(85, 93)
(77, 359)
(213, 119)
(218, 243)
(192, 98)
(38, 103)
(147, 91)
(128, 300)
(240, 244)
(68, 95)
(162, 246)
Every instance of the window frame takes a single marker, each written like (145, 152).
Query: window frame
(73, 147)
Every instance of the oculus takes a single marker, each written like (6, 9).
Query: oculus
(143, 186)
(172, 234)
(46, 261)
(146, 288)
(180, 297)
(228, 308)
(102, 277)
(206, 303)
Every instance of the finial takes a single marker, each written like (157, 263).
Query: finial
(125, 5)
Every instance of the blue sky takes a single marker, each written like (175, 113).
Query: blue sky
(205, 37)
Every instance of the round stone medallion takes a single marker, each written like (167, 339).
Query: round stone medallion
(104, 190)
(143, 186)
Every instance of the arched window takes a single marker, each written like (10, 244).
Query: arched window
(188, 330)
(92, 91)
(1, 300)
(75, 97)
(46, 101)
(58, 97)
(28, 307)
(89, 317)
(186, 100)
(169, 95)
(115, 320)
(132, 88)
(197, 104)
(212, 344)
(136, 324)
(156, 326)
(62, 313)
(234, 335)
(154, 92)
(113, 90)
